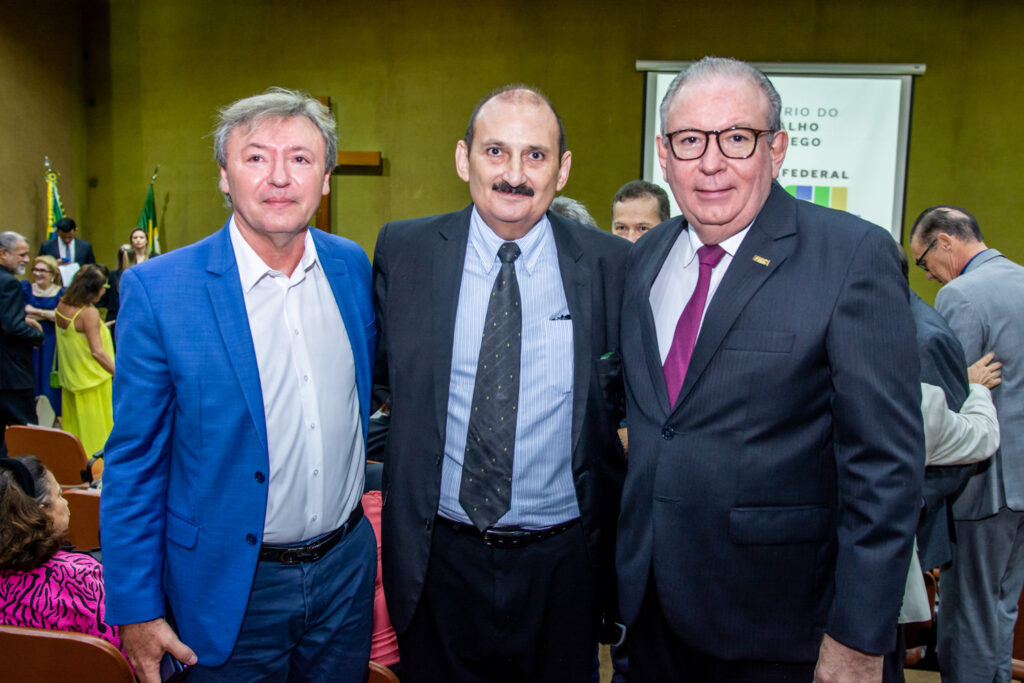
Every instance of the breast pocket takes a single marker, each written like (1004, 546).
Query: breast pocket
(558, 354)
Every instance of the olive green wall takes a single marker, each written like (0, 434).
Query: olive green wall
(41, 111)
(403, 77)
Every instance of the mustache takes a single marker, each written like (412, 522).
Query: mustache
(504, 186)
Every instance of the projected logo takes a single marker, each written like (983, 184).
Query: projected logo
(822, 195)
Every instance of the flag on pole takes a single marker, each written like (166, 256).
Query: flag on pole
(147, 220)
(54, 207)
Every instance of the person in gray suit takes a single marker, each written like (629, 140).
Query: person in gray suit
(982, 299)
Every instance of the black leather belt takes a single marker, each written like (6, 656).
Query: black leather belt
(315, 550)
(508, 537)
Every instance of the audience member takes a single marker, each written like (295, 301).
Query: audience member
(637, 207)
(776, 457)
(41, 297)
(71, 253)
(18, 336)
(128, 255)
(573, 210)
(384, 646)
(242, 399)
(85, 360)
(982, 298)
(503, 477)
(42, 586)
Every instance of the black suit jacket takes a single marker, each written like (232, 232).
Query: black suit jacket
(17, 337)
(778, 499)
(417, 272)
(83, 251)
(944, 365)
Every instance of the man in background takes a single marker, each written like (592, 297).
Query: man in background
(66, 247)
(637, 207)
(18, 335)
(982, 299)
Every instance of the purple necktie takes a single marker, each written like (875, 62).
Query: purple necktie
(678, 359)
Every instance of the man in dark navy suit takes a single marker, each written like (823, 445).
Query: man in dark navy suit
(776, 448)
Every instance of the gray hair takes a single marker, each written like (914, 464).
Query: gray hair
(275, 103)
(9, 240)
(723, 67)
(952, 220)
(573, 210)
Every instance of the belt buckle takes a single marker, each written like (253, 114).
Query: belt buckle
(292, 556)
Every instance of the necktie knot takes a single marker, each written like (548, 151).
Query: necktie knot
(509, 252)
(710, 255)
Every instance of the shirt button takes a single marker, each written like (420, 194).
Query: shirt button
(296, 333)
(667, 433)
(251, 539)
(316, 473)
(312, 425)
(313, 518)
(305, 378)
(260, 477)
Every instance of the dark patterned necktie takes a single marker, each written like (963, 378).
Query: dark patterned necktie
(486, 489)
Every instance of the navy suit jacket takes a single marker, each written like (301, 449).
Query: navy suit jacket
(778, 499)
(83, 251)
(184, 489)
(942, 364)
(418, 267)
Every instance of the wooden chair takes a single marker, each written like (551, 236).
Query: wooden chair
(34, 655)
(378, 673)
(60, 451)
(84, 528)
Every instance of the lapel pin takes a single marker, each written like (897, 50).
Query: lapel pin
(761, 260)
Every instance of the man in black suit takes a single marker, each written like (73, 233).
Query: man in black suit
(776, 448)
(499, 334)
(67, 248)
(18, 335)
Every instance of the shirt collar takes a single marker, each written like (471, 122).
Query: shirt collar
(252, 269)
(731, 244)
(485, 242)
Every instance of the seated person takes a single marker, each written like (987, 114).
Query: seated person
(42, 586)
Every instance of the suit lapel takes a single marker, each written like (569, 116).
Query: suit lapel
(228, 303)
(336, 271)
(574, 282)
(447, 260)
(761, 253)
(649, 332)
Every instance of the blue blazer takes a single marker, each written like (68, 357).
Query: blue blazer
(184, 491)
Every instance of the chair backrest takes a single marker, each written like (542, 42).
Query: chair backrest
(34, 655)
(84, 528)
(378, 673)
(60, 451)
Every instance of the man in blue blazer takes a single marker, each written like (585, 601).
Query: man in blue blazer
(234, 470)
(776, 449)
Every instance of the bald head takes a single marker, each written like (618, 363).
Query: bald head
(515, 93)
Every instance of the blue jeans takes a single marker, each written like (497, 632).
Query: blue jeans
(307, 622)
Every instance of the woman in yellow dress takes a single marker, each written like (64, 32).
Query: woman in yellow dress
(85, 360)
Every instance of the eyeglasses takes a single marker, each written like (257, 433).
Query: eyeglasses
(41, 271)
(919, 261)
(735, 143)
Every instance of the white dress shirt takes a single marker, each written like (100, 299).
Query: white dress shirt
(310, 400)
(677, 279)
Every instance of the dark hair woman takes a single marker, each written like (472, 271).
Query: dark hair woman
(42, 586)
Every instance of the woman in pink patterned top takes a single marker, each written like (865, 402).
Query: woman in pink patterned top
(42, 586)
